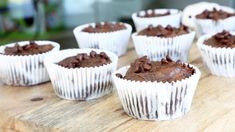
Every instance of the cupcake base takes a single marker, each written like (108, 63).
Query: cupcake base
(220, 61)
(80, 83)
(156, 100)
(156, 48)
(116, 41)
(25, 70)
(105, 89)
(206, 26)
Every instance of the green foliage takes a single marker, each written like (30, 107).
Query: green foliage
(3, 3)
(19, 36)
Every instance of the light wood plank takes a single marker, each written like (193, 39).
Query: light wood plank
(213, 108)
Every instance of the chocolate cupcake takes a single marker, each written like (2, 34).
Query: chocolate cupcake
(156, 90)
(215, 19)
(156, 17)
(157, 42)
(81, 74)
(218, 52)
(22, 62)
(111, 36)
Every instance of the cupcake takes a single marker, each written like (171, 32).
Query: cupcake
(157, 42)
(22, 62)
(215, 19)
(218, 52)
(81, 74)
(190, 11)
(156, 90)
(110, 36)
(156, 17)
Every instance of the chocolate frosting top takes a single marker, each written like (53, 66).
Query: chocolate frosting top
(30, 49)
(104, 27)
(214, 14)
(165, 70)
(160, 31)
(85, 60)
(152, 13)
(221, 40)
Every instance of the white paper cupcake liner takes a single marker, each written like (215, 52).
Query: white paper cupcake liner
(220, 61)
(173, 19)
(80, 83)
(24, 70)
(192, 10)
(156, 100)
(116, 41)
(206, 26)
(156, 48)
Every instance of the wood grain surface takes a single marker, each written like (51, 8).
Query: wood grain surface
(37, 108)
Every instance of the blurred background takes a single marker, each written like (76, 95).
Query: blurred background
(55, 19)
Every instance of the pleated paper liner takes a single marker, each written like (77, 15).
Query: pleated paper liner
(156, 100)
(157, 48)
(80, 83)
(116, 41)
(173, 19)
(220, 61)
(206, 26)
(24, 70)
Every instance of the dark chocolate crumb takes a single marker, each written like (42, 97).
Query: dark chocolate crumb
(36, 99)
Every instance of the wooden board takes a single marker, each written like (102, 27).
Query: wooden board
(213, 108)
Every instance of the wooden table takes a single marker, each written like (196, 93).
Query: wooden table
(213, 108)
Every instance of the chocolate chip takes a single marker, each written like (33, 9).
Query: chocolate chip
(143, 59)
(84, 60)
(178, 62)
(168, 58)
(79, 57)
(167, 72)
(98, 25)
(169, 27)
(92, 53)
(137, 69)
(164, 61)
(225, 41)
(103, 60)
(36, 99)
(160, 31)
(103, 55)
(147, 67)
(214, 14)
(141, 68)
(161, 27)
(224, 37)
(150, 27)
(85, 56)
(141, 65)
(211, 15)
(119, 75)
